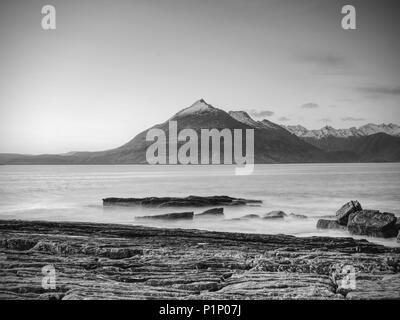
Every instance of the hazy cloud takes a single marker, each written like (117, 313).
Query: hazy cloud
(326, 120)
(352, 119)
(310, 105)
(345, 100)
(325, 59)
(381, 90)
(260, 113)
(283, 119)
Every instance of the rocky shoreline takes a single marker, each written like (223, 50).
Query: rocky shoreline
(358, 221)
(109, 261)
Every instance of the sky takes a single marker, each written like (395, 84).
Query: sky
(112, 69)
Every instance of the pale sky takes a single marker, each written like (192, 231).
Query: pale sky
(114, 68)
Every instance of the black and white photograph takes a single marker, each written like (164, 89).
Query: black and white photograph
(218, 151)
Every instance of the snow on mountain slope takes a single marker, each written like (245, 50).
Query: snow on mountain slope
(390, 129)
(328, 131)
(199, 106)
(244, 117)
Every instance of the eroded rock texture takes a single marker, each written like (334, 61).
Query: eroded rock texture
(104, 261)
(373, 223)
(342, 215)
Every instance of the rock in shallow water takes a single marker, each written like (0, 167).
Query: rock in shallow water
(190, 201)
(372, 223)
(397, 225)
(342, 215)
(212, 212)
(298, 216)
(275, 215)
(251, 216)
(246, 217)
(329, 224)
(169, 216)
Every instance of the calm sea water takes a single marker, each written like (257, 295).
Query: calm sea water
(74, 193)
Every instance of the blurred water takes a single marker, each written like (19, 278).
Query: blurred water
(74, 193)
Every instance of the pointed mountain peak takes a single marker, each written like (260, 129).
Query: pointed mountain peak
(200, 106)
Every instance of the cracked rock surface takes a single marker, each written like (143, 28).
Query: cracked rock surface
(107, 261)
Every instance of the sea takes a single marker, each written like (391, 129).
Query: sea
(75, 193)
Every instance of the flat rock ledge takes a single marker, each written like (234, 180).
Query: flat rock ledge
(190, 201)
(108, 261)
(169, 216)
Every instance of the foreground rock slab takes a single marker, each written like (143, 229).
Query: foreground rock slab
(107, 261)
(190, 201)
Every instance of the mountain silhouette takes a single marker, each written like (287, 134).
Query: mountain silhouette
(272, 143)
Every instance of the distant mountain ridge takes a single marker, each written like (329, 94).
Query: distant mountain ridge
(272, 143)
(328, 131)
(368, 143)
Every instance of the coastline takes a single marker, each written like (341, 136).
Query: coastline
(111, 261)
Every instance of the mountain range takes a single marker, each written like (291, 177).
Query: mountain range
(273, 143)
(328, 131)
(368, 143)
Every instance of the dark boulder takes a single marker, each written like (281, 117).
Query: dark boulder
(212, 212)
(397, 225)
(169, 216)
(275, 215)
(329, 224)
(342, 215)
(372, 223)
(298, 216)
